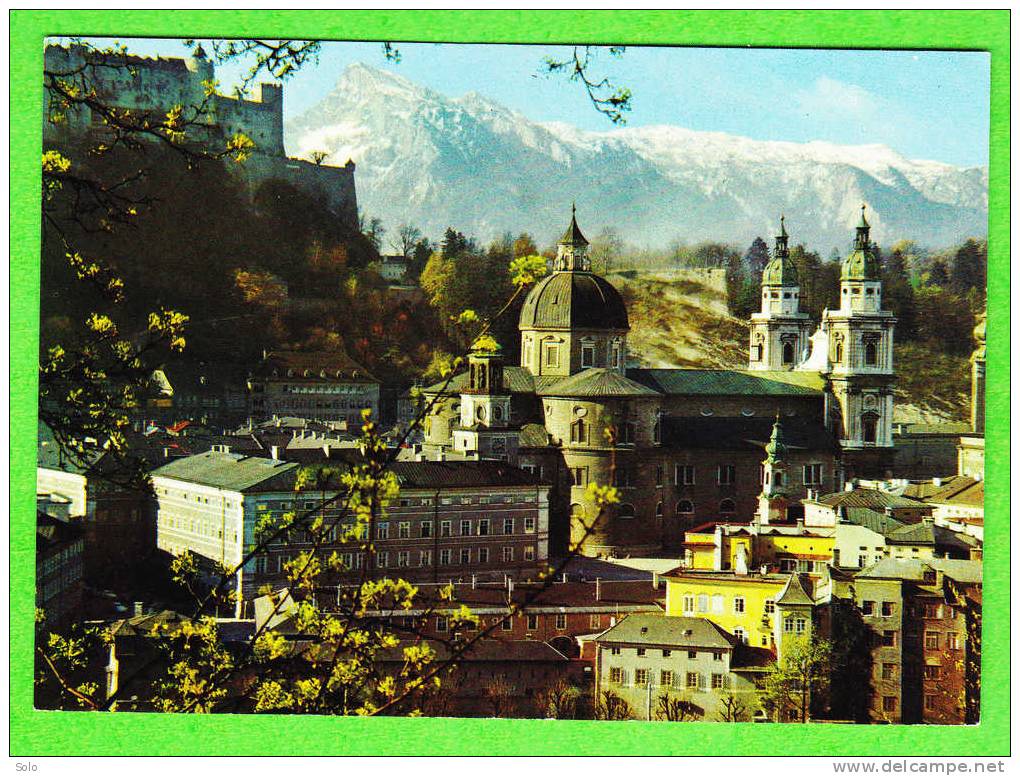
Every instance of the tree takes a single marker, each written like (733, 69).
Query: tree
(674, 708)
(372, 228)
(898, 294)
(610, 706)
(970, 267)
(559, 701)
(318, 157)
(501, 697)
(605, 250)
(524, 245)
(756, 258)
(407, 237)
(797, 685)
(733, 708)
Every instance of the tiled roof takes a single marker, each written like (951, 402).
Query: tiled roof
(231, 471)
(596, 382)
(678, 632)
(917, 533)
(729, 382)
(464, 474)
(872, 519)
(961, 491)
(795, 591)
(870, 498)
(911, 569)
(729, 433)
(315, 366)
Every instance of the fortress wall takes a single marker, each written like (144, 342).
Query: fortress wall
(335, 185)
(261, 120)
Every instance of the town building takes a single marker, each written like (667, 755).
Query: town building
(59, 569)
(644, 657)
(152, 86)
(326, 386)
(924, 619)
(682, 445)
(451, 519)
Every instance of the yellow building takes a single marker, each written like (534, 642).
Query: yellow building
(741, 547)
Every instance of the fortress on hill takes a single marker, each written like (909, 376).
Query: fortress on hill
(145, 84)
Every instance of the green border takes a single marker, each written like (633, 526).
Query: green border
(46, 733)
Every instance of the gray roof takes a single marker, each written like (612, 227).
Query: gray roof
(912, 569)
(463, 474)
(231, 471)
(871, 498)
(661, 630)
(795, 591)
(916, 533)
(597, 383)
(574, 300)
(729, 382)
(872, 519)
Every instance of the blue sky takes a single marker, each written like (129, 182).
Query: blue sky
(924, 104)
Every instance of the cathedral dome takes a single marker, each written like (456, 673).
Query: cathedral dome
(780, 272)
(574, 300)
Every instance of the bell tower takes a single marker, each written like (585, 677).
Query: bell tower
(485, 429)
(772, 501)
(859, 399)
(780, 332)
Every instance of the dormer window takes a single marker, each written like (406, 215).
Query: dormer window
(587, 355)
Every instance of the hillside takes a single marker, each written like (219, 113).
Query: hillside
(435, 161)
(685, 323)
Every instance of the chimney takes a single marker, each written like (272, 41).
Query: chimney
(936, 482)
(139, 609)
(274, 452)
(509, 585)
(474, 582)
(849, 486)
(655, 580)
(598, 588)
(564, 577)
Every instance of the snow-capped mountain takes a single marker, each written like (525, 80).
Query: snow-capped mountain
(434, 161)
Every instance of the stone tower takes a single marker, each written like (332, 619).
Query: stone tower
(484, 422)
(859, 399)
(780, 332)
(573, 319)
(772, 501)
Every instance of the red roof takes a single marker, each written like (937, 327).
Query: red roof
(179, 426)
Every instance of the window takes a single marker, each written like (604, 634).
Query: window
(692, 654)
(615, 651)
(628, 432)
(717, 656)
(426, 529)
(425, 559)
(508, 554)
(508, 526)
(658, 475)
(382, 560)
(742, 635)
(529, 525)
(726, 474)
(688, 603)
(770, 606)
(889, 703)
(532, 622)
(931, 639)
(888, 638)
(665, 678)
(667, 652)
(579, 432)
(529, 552)
(483, 527)
(561, 622)
(794, 625)
(444, 557)
(930, 702)
(442, 624)
(933, 611)
(812, 474)
(465, 527)
(717, 681)
(403, 558)
(622, 478)
(587, 355)
(445, 528)
(887, 608)
(615, 356)
(685, 507)
(506, 624)
(594, 621)
(787, 352)
(683, 475)
(625, 511)
(658, 509)
(692, 680)
(726, 506)
(616, 675)
(404, 530)
(579, 474)
(868, 608)
(738, 605)
(552, 355)
(952, 641)
(640, 651)
(641, 677)
(465, 556)
(382, 531)
(870, 353)
(932, 672)
(888, 670)
(869, 428)
(717, 603)
(703, 603)
(483, 554)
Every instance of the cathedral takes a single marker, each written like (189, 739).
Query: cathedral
(683, 446)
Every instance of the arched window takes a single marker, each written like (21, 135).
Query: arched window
(787, 352)
(871, 353)
(576, 511)
(658, 509)
(727, 506)
(839, 353)
(657, 432)
(869, 427)
(626, 511)
(627, 433)
(685, 507)
(579, 431)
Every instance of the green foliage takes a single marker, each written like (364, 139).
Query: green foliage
(797, 685)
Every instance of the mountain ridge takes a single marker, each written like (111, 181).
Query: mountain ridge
(472, 163)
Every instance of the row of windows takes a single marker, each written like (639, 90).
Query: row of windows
(692, 654)
(506, 622)
(684, 474)
(691, 680)
(466, 527)
(716, 604)
(402, 559)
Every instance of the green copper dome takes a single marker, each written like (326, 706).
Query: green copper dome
(775, 450)
(861, 264)
(781, 270)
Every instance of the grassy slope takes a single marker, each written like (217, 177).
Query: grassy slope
(682, 323)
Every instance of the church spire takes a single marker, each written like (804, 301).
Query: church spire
(572, 252)
(573, 234)
(863, 239)
(782, 239)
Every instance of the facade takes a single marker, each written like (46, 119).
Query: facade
(59, 568)
(326, 386)
(683, 446)
(924, 619)
(451, 520)
(154, 85)
(644, 657)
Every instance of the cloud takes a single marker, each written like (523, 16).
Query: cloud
(834, 99)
